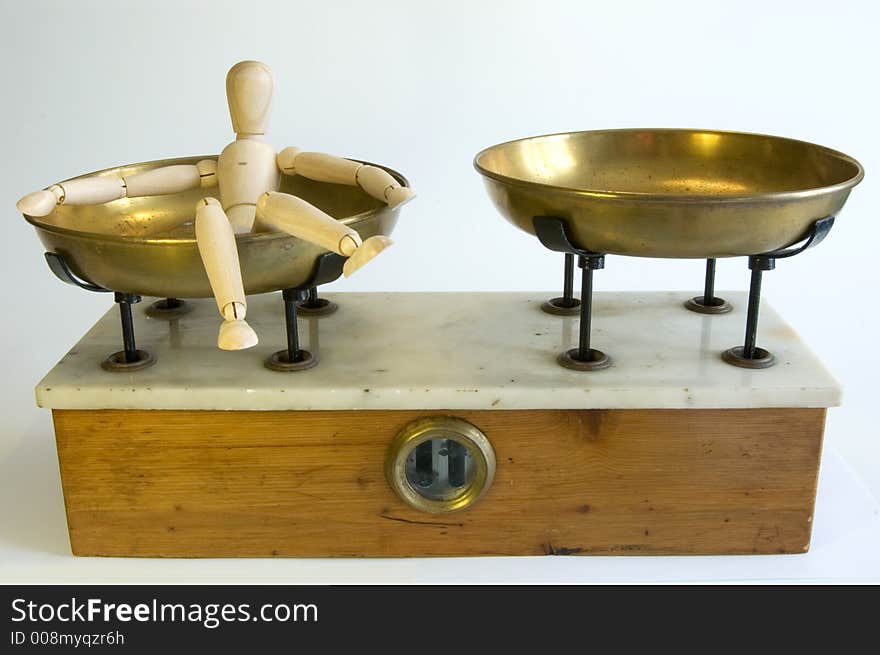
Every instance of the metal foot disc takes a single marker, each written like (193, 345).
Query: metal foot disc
(169, 308)
(116, 363)
(596, 362)
(561, 307)
(320, 307)
(762, 359)
(718, 306)
(279, 361)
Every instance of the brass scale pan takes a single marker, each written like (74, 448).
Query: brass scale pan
(673, 193)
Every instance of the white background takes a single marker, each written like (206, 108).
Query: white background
(422, 87)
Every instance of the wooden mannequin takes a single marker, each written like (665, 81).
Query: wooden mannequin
(248, 173)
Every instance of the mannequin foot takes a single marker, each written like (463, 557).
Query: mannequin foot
(236, 335)
(364, 253)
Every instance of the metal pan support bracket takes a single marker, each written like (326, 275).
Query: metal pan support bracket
(130, 358)
(293, 358)
(552, 231)
(749, 355)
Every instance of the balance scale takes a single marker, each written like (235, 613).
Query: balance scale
(456, 424)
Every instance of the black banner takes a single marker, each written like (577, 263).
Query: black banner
(421, 619)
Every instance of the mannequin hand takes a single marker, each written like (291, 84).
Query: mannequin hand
(38, 203)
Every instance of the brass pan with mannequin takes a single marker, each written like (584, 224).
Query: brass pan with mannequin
(247, 174)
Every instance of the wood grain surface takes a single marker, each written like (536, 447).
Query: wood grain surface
(311, 483)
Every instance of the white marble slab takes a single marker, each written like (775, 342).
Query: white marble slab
(447, 351)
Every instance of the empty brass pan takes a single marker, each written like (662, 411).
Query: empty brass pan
(676, 193)
(147, 246)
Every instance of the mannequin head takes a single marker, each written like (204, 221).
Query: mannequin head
(249, 89)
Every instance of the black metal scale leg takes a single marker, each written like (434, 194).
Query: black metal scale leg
(292, 358)
(748, 349)
(709, 303)
(586, 313)
(567, 305)
(749, 355)
(553, 233)
(129, 351)
(584, 357)
(568, 281)
(130, 358)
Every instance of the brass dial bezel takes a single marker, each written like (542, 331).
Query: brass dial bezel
(432, 427)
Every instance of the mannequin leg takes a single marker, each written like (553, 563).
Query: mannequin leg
(297, 217)
(217, 247)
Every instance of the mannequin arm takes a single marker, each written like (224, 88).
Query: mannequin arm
(96, 190)
(337, 170)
